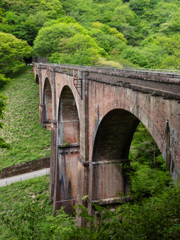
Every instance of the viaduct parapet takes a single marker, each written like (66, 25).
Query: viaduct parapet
(92, 114)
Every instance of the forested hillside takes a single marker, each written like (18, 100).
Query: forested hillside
(141, 33)
(113, 33)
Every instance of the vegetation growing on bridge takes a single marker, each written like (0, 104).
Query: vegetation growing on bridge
(22, 129)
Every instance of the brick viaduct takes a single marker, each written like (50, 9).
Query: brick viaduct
(93, 113)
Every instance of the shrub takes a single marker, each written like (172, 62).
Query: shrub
(135, 56)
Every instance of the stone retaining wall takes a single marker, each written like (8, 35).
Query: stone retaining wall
(25, 167)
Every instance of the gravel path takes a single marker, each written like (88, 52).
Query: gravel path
(8, 181)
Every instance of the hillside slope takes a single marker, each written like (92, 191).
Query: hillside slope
(23, 193)
(28, 140)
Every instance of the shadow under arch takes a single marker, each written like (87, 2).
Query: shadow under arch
(37, 79)
(68, 151)
(111, 152)
(114, 135)
(68, 118)
(47, 104)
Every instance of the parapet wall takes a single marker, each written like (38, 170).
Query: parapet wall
(157, 83)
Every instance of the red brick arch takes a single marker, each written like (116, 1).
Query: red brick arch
(109, 104)
(138, 105)
(114, 135)
(111, 148)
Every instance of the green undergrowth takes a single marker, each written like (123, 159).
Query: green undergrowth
(154, 218)
(26, 214)
(22, 129)
(23, 194)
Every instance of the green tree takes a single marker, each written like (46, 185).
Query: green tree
(140, 6)
(12, 52)
(26, 31)
(46, 43)
(172, 49)
(39, 18)
(135, 56)
(79, 49)
(150, 171)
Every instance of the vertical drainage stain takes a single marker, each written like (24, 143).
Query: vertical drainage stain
(167, 143)
(62, 173)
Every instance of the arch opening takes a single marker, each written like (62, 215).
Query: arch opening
(114, 135)
(68, 118)
(68, 150)
(111, 152)
(47, 102)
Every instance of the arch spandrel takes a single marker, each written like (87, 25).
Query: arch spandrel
(138, 105)
(105, 153)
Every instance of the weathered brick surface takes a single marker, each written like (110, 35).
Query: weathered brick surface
(100, 122)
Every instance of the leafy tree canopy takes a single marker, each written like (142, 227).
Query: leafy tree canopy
(12, 52)
(135, 56)
(46, 43)
(111, 31)
(53, 7)
(79, 49)
(114, 25)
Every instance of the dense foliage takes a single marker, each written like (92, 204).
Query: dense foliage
(152, 219)
(25, 213)
(17, 198)
(142, 33)
(12, 52)
(149, 173)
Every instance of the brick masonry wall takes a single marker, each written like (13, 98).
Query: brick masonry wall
(25, 167)
(124, 98)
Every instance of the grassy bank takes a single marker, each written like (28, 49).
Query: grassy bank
(28, 215)
(28, 140)
(23, 193)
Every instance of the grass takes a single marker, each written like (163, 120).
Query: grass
(22, 130)
(24, 192)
